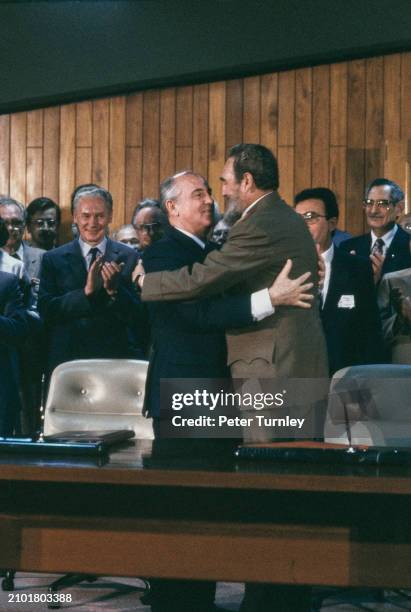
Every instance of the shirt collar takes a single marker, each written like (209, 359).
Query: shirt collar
(388, 237)
(20, 252)
(247, 210)
(196, 239)
(328, 254)
(85, 248)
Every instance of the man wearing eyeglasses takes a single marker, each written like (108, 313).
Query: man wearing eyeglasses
(349, 312)
(43, 222)
(14, 215)
(149, 222)
(387, 244)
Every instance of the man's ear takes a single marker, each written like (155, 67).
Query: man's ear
(400, 209)
(171, 208)
(332, 223)
(248, 181)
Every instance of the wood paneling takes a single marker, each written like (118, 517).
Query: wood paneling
(337, 125)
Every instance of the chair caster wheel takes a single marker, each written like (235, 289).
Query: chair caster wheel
(7, 584)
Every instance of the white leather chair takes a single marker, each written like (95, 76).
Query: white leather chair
(373, 403)
(97, 394)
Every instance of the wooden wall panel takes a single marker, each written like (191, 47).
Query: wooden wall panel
(200, 129)
(320, 157)
(168, 132)
(303, 128)
(269, 111)
(392, 96)
(4, 154)
(101, 126)
(18, 155)
(336, 125)
(216, 138)
(151, 144)
(251, 105)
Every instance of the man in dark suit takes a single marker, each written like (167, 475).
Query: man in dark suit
(188, 338)
(387, 244)
(85, 295)
(349, 312)
(288, 343)
(13, 331)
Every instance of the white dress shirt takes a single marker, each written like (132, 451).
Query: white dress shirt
(327, 258)
(11, 264)
(86, 248)
(387, 238)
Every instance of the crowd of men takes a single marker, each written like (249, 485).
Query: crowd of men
(203, 296)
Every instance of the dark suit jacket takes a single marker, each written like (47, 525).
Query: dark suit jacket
(188, 338)
(32, 257)
(353, 335)
(397, 257)
(291, 341)
(81, 327)
(13, 331)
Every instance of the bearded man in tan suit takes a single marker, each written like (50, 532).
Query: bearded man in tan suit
(290, 342)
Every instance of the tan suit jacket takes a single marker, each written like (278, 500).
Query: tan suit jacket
(290, 342)
(396, 331)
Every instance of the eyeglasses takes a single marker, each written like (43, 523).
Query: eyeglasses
(146, 227)
(381, 204)
(14, 224)
(45, 223)
(311, 217)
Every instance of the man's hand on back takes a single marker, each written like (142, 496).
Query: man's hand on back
(291, 292)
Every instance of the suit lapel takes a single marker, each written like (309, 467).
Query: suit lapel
(76, 263)
(338, 281)
(188, 244)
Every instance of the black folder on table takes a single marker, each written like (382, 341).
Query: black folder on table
(321, 452)
(71, 443)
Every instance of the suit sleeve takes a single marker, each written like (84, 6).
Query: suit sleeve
(241, 257)
(14, 326)
(392, 323)
(53, 304)
(207, 314)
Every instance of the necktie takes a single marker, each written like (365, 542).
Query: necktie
(378, 248)
(94, 252)
(16, 256)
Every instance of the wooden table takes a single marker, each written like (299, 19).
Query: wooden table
(219, 520)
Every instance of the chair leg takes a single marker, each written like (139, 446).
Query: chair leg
(7, 584)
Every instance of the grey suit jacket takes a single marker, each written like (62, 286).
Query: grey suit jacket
(396, 331)
(257, 248)
(32, 260)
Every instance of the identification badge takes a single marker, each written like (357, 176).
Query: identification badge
(346, 301)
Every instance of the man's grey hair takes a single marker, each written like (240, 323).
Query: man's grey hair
(396, 193)
(7, 201)
(93, 192)
(169, 189)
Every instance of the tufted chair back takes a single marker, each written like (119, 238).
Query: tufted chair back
(97, 394)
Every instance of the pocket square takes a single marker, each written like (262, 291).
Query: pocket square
(346, 301)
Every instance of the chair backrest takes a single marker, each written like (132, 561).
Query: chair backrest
(373, 402)
(97, 394)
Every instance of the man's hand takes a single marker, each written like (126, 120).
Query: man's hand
(94, 281)
(287, 292)
(377, 261)
(110, 273)
(138, 274)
